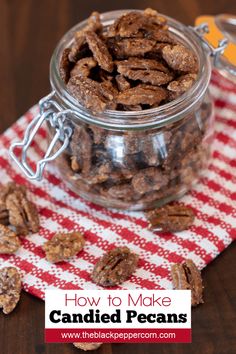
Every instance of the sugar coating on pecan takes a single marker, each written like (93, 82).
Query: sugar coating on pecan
(9, 241)
(23, 214)
(179, 57)
(90, 92)
(186, 276)
(65, 65)
(115, 267)
(171, 218)
(10, 288)
(181, 84)
(63, 246)
(100, 51)
(142, 94)
(16, 210)
(93, 24)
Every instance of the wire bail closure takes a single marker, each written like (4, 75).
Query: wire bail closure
(215, 53)
(63, 132)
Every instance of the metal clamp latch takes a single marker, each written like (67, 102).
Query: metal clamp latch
(215, 53)
(63, 133)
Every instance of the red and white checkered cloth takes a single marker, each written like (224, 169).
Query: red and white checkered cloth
(213, 199)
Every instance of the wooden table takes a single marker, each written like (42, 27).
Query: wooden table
(29, 31)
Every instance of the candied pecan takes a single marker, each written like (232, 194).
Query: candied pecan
(115, 267)
(130, 47)
(161, 37)
(91, 93)
(136, 24)
(186, 276)
(81, 146)
(180, 58)
(155, 17)
(83, 67)
(76, 48)
(65, 65)
(127, 25)
(121, 191)
(23, 214)
(100, 51)
(99, 174)
(182, 84)
(145, 70)
(10, 288)
(63, 246)
(171, 218)
(122, 83)
(149, 179)
(93, 24)
(87, 346)
(10, 188)
(124, 66)
(9, 242)
(153, 77)
(142, 94)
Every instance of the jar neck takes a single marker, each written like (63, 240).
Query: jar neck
(150, 118)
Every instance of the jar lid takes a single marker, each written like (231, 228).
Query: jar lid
(222, 27)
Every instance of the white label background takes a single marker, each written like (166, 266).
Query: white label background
(180, 303)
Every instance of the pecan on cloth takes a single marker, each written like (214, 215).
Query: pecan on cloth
(115, 267)
(171, 218)
(186, 276)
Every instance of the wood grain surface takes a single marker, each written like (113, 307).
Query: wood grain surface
(29, 31)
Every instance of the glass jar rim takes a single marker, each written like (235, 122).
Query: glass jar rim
(149, 118)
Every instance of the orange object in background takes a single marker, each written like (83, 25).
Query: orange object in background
(221, 26)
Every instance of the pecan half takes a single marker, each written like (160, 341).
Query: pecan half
(180, 58)
(181, 85)
(130, 47)
(93, 24)
(83, 67)
(87, 346)
(171, 218)
(9, 242)
(89, 92)
(124, 66)
(186, 276)
(81, 146)
(142, 94)
(145, 70)
(149, 179)
(10, 288)
(63, 246)
(115, 267)
(136, 24)
(65, 65)
(23, 214)
(100, 51)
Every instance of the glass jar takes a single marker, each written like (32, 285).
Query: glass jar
(127, 160)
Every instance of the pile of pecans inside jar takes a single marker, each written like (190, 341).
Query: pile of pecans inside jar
(134, 64)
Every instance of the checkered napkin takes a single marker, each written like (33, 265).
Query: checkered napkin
(213, 199)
